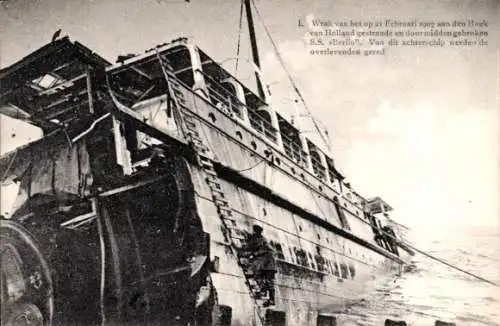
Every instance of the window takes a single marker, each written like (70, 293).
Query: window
(318, 168)
(311, 261)
(332, 172)
(229, 98)
(343, 270)
(321, 263)
(352, 270)
(292, 255)
(143, 79)
(260, 120)
(291, 141)
(333, 267)
(278, 249)
(301, 257)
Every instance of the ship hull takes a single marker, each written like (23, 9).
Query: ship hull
(128, 234)
(303, 290)
(124, 215)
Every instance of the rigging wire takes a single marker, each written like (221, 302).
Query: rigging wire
(299, 94)
(239, 39)
(290, 78)
(253, 166)
(157, 110)
(440, 260)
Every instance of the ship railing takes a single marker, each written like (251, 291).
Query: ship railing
(227, 101)
(331, 173)
(318, 169)
(262, 125)
(334, 181)
(294, 150)
(284, 261)
(257, 121)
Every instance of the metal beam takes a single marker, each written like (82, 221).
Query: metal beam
(255, 50)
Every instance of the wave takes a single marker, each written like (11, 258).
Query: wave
(428, 290)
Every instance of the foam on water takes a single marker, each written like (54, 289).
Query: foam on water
(432, 291)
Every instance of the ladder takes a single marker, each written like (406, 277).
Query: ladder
(189, 127)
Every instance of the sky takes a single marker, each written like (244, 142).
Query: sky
(418, 127)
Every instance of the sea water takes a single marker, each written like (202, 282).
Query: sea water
(432, 291)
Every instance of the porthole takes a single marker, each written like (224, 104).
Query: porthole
(212, 116)
(300, 228)
(302, 176)
(320, 188)
(319, 237)
(264, 212)
(293, 170)
(278, 161)
(254, 144)
(238, 133)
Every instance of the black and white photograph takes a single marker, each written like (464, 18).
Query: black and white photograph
(250, 162)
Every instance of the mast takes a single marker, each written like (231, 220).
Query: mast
(255, 50)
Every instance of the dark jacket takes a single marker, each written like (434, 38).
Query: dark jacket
(263, 257)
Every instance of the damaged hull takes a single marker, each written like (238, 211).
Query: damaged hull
(134, 205)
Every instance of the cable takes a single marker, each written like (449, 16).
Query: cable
(290, 78)
(440, 260)
(299, 238)
(252, 167)
(157, 110)
(239, 39)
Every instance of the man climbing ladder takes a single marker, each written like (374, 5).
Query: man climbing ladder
(262, 263)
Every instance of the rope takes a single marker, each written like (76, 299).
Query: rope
(253, 166)
(440, 260)
(157, 110)
(239, 39)
(299, 238)
(290, 78)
